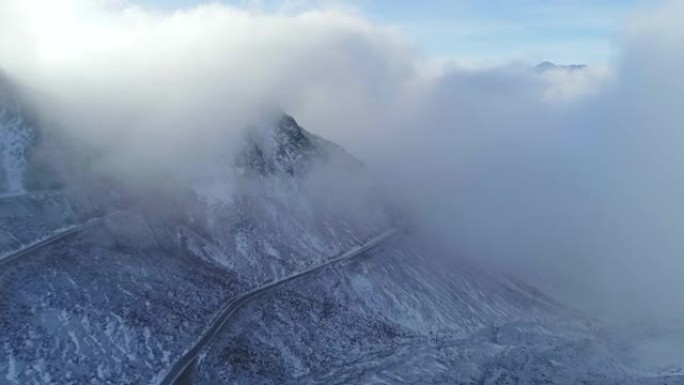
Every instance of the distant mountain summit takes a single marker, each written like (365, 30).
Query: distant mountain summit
(549, 66)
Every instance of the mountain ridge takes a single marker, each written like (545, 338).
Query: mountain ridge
(122, 300)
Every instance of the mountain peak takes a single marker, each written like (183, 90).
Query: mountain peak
(550, 66)
(283, 146)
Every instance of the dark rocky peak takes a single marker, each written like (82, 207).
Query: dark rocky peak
(284, 147)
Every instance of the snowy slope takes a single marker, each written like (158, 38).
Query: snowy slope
(32, 206)
(395, 319)
(119, 302)
(16, 138)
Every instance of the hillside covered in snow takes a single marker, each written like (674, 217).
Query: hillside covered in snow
(103, 283)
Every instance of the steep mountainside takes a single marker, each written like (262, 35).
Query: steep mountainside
(16, 138)
(396, 318)
(118, 286)
(119, 301)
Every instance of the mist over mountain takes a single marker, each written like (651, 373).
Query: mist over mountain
(123, 281)
(216, 195)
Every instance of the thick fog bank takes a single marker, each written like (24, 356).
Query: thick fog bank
(570, 177)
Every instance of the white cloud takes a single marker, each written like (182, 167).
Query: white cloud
(162, 83)
(572, 178)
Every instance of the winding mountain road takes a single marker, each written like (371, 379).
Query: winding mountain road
(181, 372)
(59, 235)
(29, 194)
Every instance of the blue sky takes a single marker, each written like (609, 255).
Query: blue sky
(483, 31)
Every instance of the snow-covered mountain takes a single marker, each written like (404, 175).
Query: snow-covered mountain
(549, 66)
(124, 284)
(16, 138)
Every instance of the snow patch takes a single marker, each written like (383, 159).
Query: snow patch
(242, 243)
(11, 375)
